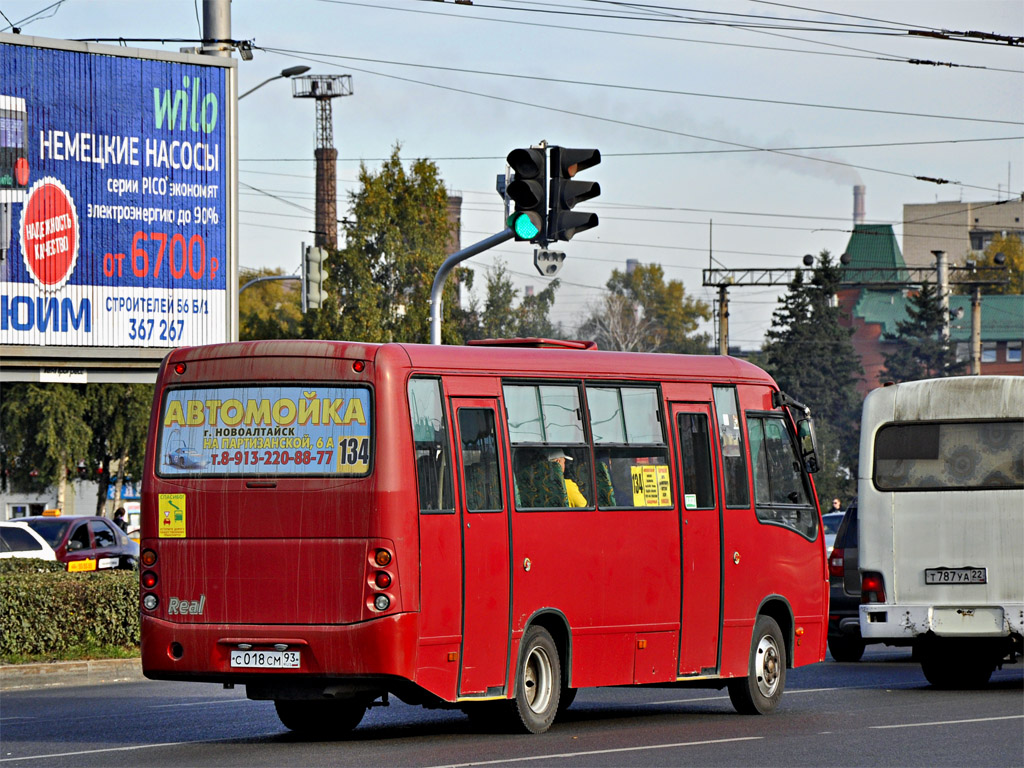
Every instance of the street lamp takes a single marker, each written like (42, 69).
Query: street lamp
(289, 72)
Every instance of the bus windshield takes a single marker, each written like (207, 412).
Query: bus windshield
(265, 430)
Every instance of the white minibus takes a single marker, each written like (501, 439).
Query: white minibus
(941, 497)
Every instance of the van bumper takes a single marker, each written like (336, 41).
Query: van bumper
(880, 621)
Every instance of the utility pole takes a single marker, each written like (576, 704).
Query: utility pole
(723, 319)
(324, 88)
(217, 26)
(942, 279)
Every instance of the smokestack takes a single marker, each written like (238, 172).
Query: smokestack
(858, 204)
(631, 265)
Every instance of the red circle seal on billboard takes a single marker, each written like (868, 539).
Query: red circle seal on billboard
(49, 233)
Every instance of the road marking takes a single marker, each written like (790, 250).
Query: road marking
(563, 755)
(200, 703)
(113, 749)
(950, 722)
(788, 692)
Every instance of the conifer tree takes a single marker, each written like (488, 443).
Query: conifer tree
(812, 359)
(918, 349)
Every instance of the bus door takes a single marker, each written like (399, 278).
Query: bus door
(701, 540)
(485, 554)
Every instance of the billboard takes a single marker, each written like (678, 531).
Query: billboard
(116, 197)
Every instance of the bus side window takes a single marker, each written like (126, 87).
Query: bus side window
(730, 438)
(544, 421)
(632, 457)
(480, 459)
(430, 438)
(780, 494)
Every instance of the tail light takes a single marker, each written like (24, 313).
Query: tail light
(381, 579)
(872, 588)
(149, 580)
(836, 560)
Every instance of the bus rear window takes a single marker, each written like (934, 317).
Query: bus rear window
(265, 430)
(949, 456)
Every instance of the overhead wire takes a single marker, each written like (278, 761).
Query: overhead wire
(872, 56)
(311, 56)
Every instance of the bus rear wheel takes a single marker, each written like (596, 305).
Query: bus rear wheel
(538, 681)
(329, 719)
(957, 664)
(760, 691)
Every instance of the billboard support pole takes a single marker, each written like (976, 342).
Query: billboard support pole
(216, 27)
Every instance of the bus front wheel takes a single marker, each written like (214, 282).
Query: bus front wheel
(759, 692)
(320, 718)
(538, 681)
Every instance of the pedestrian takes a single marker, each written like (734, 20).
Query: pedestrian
(559, 457)
(837, 505)
(119, 520)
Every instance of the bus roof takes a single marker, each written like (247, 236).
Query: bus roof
(954, 397)
(504, 358)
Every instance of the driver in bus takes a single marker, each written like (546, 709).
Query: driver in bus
(559, 457)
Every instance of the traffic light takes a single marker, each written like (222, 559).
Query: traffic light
(313, 274)
(563, 222)
(528, 190)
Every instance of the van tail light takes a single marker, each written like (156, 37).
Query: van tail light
(836, 560)
(872, 588)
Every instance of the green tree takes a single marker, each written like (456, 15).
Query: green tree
(1013, 252)
(502, 318)
(44, 435)
(919, 350)
(396, 235)
(119, 417)
(655, 317)
(271, 309)
(811, 357)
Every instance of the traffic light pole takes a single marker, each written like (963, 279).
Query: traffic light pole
(442, 274)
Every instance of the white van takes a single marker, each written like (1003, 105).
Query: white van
(941, 497)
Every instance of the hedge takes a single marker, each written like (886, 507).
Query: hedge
(46, 610)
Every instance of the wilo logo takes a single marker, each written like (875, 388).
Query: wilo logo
(194, 114)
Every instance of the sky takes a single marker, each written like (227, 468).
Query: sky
(683, 100)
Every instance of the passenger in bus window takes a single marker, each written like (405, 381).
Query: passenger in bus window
(559, 457)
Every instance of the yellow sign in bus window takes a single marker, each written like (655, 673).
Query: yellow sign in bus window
(651, 486)
(172, 516)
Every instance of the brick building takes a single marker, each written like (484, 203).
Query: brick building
(873, 313)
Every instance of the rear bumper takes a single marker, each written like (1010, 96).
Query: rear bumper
(384, 647)
(880, 621)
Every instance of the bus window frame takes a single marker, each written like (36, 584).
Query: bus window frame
(802, 469)
(587, 446)
(451, 470)
(242, 384)
(662, 417)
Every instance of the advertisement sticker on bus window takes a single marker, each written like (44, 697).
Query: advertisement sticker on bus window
(265, 430)
(172, 516)
(651, 486)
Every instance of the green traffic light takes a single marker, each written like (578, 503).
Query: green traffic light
(523, 225)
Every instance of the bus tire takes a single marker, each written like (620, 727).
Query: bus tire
(329, 719)
(760, 691)
(538, 681)
(846, 648)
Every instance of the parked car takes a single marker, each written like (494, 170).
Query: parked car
(830, 525)
(85, 543)
(844, 639)
(18, 540)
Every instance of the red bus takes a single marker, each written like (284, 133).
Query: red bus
(489, 527)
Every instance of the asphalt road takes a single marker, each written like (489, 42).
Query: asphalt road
(879, 712)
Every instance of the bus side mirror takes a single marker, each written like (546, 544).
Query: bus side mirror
(808, 445)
